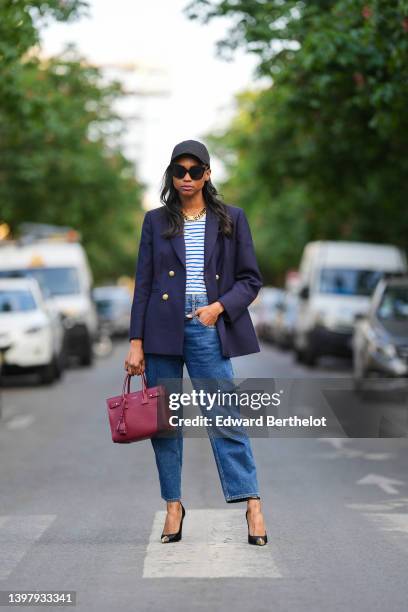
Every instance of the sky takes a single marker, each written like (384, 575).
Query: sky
(152, 46)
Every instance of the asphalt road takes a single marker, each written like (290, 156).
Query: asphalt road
(80, 513)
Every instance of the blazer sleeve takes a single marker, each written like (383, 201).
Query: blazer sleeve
(248, 277)
(143, 279)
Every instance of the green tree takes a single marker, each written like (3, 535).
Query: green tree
(60, 157)
(20, 22)
(328, 138)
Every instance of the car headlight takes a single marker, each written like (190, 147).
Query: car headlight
(73, 313)
(321, 318)
(72, 317)
(34, 329)
(328, 320)
(388, 350)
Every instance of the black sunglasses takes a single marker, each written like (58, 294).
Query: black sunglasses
(195, 172)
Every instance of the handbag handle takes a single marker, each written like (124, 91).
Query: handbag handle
(121, 426)
(144, 387)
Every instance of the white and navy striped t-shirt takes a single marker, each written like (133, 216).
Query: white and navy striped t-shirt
(194, 232)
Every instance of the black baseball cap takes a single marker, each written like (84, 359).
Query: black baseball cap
(191, 147)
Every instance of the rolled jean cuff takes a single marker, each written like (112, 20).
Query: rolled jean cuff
(233, 500)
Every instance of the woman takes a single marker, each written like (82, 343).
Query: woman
(196, 275)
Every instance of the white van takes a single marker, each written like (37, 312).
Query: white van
(63, 272)
(337, 279)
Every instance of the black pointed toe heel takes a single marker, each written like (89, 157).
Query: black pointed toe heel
(174, 537)
(258, 540)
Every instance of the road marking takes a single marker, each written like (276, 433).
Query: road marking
(383, 515)
(17, 534)
(214, 545)
(390, 522)
(20, 421)
(382, 506)
(337, 443)
(378, 456)
(350, 453)
(385, 483)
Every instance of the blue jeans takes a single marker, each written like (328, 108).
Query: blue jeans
(204, 360)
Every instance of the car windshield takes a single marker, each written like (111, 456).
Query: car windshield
(394, 304)
(348, 281)
(16, 300)
(267, 298)
(53, 281)
(105, 306)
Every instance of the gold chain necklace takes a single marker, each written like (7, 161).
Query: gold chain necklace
(194, 217)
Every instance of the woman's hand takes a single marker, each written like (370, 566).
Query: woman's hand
(209, 314)
(135, 360)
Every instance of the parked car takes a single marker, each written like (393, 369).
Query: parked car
(263, 310)
(380, 339)
(60, 265)
(114, 305)
(337, 280)
(33, 331)
(285, 320)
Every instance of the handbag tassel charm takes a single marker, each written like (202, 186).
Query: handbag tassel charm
(121, 426)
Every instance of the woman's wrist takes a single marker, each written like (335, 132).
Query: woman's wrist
(220, 307)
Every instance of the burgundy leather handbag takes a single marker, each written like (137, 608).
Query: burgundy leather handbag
(138, 415)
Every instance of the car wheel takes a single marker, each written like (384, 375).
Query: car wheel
(87, 356)
(60, 364)
(310, 356)
(299, 354)
(48, 373)
(359, 373)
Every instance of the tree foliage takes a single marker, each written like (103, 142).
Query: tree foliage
(322, 152)
(60, 157)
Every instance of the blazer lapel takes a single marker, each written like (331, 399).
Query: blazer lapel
(210, 238)
(211, 235)
(178, 245)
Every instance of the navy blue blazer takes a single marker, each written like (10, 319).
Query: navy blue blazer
(231, 276)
